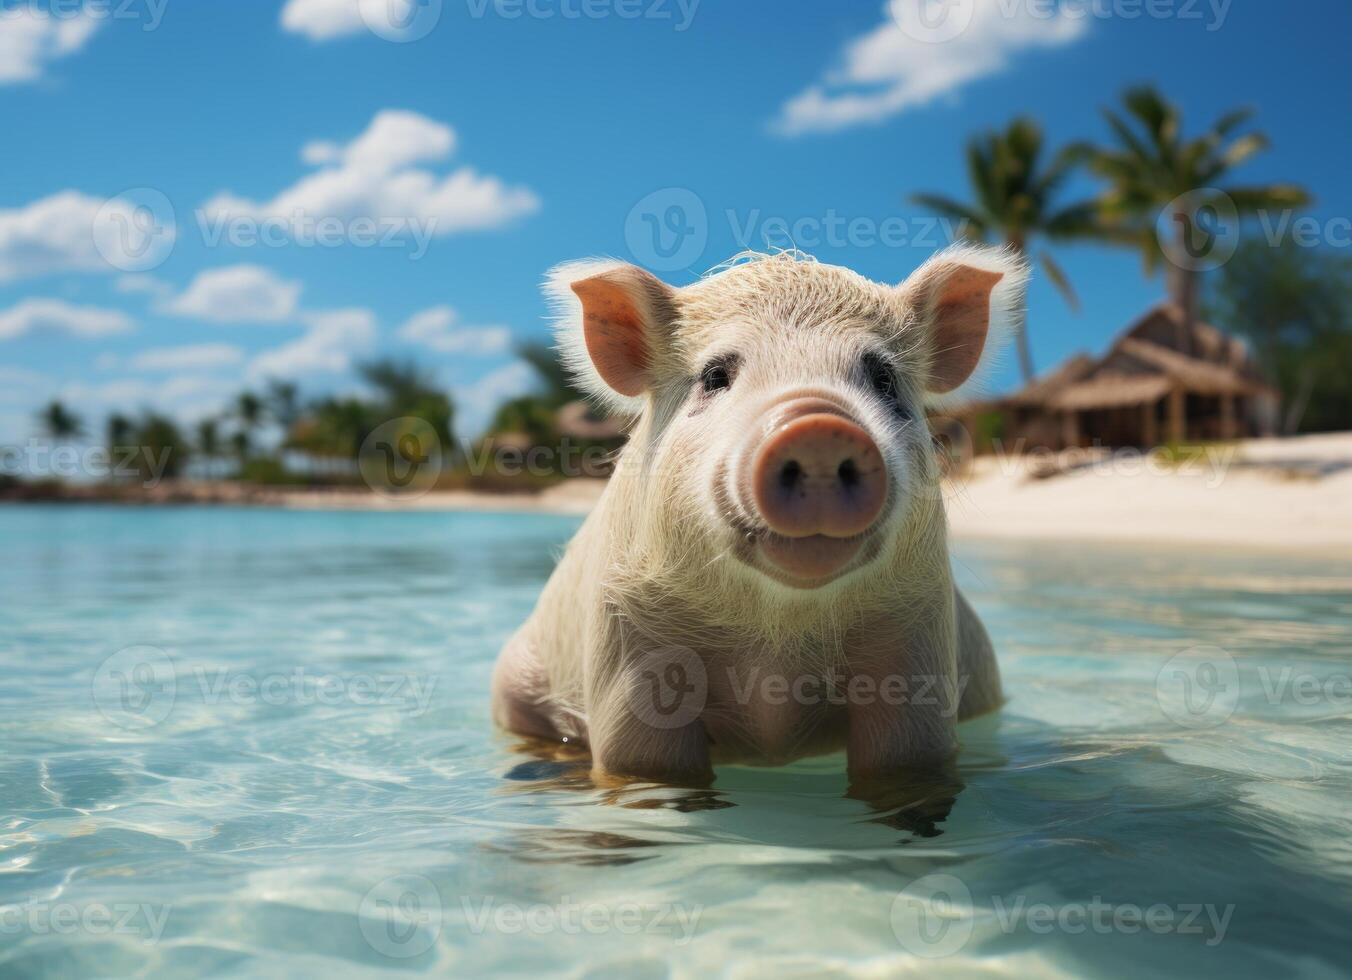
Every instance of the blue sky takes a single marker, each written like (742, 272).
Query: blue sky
(512, 136)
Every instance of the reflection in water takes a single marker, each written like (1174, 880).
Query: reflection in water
(268, 834)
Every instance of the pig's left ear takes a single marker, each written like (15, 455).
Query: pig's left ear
(967, 299)
(613, 329)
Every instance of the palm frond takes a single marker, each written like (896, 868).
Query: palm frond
(976, 225)
(1058, 278)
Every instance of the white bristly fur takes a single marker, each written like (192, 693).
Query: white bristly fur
(657, 559)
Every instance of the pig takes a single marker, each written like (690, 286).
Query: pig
(765, 576)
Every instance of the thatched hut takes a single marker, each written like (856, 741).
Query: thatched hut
(1158, 382)
(581, 420)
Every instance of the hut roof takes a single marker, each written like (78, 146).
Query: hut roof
(1144, 363)
(1112, 391)
(1042, 389)
(581, 420)
(1196, 375)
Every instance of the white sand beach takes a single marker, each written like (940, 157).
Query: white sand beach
(1291, 494)
(1269, 493)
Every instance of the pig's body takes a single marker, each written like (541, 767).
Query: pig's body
(732, 598)
(539, 686)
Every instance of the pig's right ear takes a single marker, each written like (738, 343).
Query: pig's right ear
(613, 325)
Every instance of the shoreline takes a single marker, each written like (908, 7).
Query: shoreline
(1287, 495)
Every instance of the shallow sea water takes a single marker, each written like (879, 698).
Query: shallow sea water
(257, 744)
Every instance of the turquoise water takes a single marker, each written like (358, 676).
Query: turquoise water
(257, 744)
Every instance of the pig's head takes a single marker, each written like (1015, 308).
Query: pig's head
(781, 442)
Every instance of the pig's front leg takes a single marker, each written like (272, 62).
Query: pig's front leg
(645, 707)
(902, 711)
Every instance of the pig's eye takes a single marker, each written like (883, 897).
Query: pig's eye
(882, 380)
(716, 375)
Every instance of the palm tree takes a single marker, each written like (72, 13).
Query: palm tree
(1015, 195)
(60, 424)
(407, 389)
(559, 388)
(119, 432)
(283, 400)
(239, 443)
(333, 429)
(164, 452)
(249, 413)
(1152, 166)
(209, 442)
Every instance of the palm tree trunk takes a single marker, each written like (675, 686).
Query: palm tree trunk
(1021, 328)
(1183, 289)
(1295, 411)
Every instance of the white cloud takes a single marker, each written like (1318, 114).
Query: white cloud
(322, 20)
(376, 177)
(237, 294)
(192, 357)
(889, 70)
(436, 329)
(37, 314)
(51, 235)
(31, 38)
(395, 139)
(475, 403)
(74, 232)
(332, 339)
(183, 397)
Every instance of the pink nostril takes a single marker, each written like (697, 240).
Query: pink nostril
(820, 474)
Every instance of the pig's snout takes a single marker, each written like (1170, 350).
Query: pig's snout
(818, 474)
